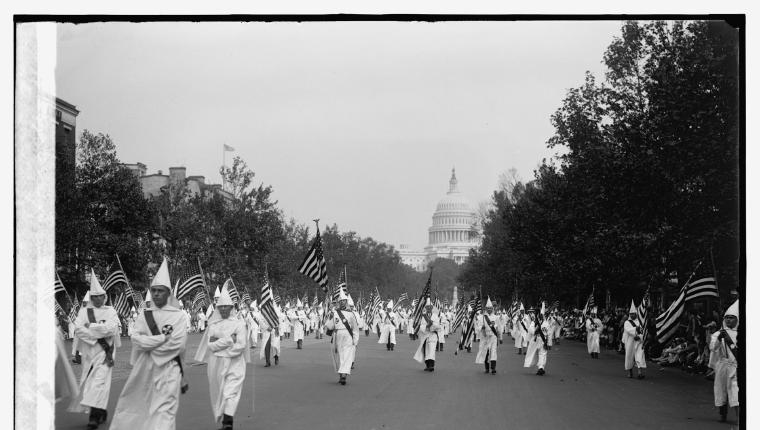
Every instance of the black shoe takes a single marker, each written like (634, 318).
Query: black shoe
(540, 372)
(103, 416)
(342, 380)
(493, 367)
(268, 364)
(226, 422)
(723, 413)
(276, 360)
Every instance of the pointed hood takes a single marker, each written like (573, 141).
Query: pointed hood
(224, 298)
(427, 302)
(148, 298)
(218, 293)
(543, 308)
(489, 304)
(162, 276)
(732, 310)
(633, 309)
(350, 301)
(253, 305)
(522, 307)
(162, 280)
(95, 288)
(342, 295)
(299, 304)
(390, 304)
(593, 310)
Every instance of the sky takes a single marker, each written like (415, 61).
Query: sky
(355, 123)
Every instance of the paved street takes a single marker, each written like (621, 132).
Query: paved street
(389, 390)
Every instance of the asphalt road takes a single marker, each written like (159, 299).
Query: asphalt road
(389, 390)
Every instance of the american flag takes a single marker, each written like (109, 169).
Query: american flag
(115, 278)
(230, 285)
(315, 302)
(341, 285)
(375, 303)
(74, 311)
(467, 334)
(314, 265)
(267, 304)
(462, 312)
(401, 298)
(642, 314)
(58, 285)
(58, 309)
(668, 321)
(245, 297)
(277, 299)
(190, 279)
(421, 304)
(589, 304)
(414, 303)
(200, 300)
(121, 305)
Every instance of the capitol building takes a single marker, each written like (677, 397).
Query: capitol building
(454, 231)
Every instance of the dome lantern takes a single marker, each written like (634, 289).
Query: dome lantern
(453, 182)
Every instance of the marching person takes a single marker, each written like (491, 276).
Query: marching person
(487, 324)
(634, 344)
(253, 319)
(558, 321)
(724, 360)
(150, 397)
(343, 327)
(388, 327)
(520, 329)
(428, 335)
(224, 347)
(299, 324)
(270, 338)
(594, 326)
(444, 322)
(201, 320)
(76, 357)
(537, 344)
(97, 329)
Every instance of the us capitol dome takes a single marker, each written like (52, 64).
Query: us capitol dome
(454, 231)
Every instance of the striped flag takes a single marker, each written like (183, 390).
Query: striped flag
(375, 304)
(277, 300)
(267, 304)
(462, 313)
(314, 265)
(414, 303)
(190, 279)
(315, 302)
(58, 285)
(667, 322)
(121, 305)
(230, 285)
(703, 287)
(589, 304)
(74, 311)
(421, 304)
(642, 314)
(115, 278)
(469, 329)
(245, 297)
(340, 286)
(200, 300)
(58, 309)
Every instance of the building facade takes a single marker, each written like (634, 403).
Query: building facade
(65, 144)
(453, 233)
(153, 184)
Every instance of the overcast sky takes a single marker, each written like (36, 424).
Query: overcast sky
(356, 123)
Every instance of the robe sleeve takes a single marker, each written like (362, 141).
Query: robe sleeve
(239, 345)
(142, 338)
(220, 344)
(106, 329)
(83, 333)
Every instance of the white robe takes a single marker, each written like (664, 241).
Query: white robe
(388, 329)
(95, 383)
(298, 319)
(343, 346)
(271, 335)
(536, 353)
(592, 334)
(428, 339)
(489, 342)
(201, 321)
(520, 335)
(634, 349)
(150, 397)
(725, 385)
(226, 358)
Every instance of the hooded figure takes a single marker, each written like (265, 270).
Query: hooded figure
(388, 327)
(488, 327)
(253, 319)
(634, 344)
(428, 334)
(97, 328)
(76, 357)
(225, 348)
(148, 300)
(724, 357)
(150, 397)
(538, 343)
(345, 332)
(297, 319)
(594, 327)
(520, 324)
